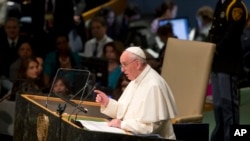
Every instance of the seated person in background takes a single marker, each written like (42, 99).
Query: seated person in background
(61, 86)
(28, 80)
(164, 32)
(24, 51)
(113, 28)
(62, 57)
(94, 46)
(167, 10)
(10, 42)
(134, 30)
(112, 52)
(204, 19)
(147, 105)
(40, 72)
(40, 66)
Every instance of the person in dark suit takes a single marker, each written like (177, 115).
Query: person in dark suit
(58, 18)
(63, 14)
(10, 42)
(228, 23)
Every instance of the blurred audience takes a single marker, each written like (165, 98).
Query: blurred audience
(167, 10)
(10, 42)
(94, 46)
(53, 17)
(56, 16)
(61, 57)
(113, 27)
(134, 29)
(24, 51)
(40, 66)
(112, 52)
(77, 37)
(62, 21)
(28, 80)
(131, 13)
(204, 18)
(164, 32)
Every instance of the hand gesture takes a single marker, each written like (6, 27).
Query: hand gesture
(101, 97)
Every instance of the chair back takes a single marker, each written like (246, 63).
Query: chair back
(186, 68)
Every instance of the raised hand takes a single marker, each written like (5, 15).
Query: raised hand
(101, 98)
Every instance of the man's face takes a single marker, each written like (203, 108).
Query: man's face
(25, 50)
(129, 65)
(62, 44)
(12, 29)
(98, 30)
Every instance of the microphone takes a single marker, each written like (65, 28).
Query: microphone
(85, 110)
(80, 108)
(60, 109)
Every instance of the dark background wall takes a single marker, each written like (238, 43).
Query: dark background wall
(186, 8)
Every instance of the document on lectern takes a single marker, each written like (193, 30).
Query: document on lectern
(100, 126)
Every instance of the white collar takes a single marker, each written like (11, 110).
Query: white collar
(10, 40)
(102, 40)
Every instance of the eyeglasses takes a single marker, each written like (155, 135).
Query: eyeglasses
(126, 65)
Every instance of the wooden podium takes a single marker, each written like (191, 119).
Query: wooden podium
(36, 122)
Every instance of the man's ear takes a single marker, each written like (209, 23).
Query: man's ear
(138, 64)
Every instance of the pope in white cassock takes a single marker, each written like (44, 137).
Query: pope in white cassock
(147, 104)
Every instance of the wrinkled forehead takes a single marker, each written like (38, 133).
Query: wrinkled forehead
(125, 57)
(11, 24)
(25, 46)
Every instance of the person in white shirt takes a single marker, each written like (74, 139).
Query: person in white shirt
(167, 10)
(94, 46)
(204, 18)
(147, 105)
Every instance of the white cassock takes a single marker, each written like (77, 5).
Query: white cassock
(146, 106)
